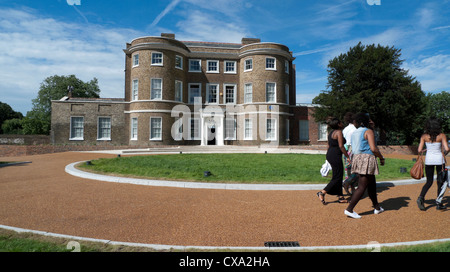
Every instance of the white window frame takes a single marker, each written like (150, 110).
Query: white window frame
(135, 60)
(251, 65)
(274, 68)
(322, 132)
(100, 129)
(225, 93)
(190, 65)
(181, 62)
(213, 71)
(225, 67)
(71, 136)
(208, 93)
(272, 134)
(135, 90)
(157, 63)
(153, 91)
(230, 133)
(248, 93)
(190, 92)
(134, 129)
(274, 92)
(303, 130)
(248, 129)
(178, 91)
(152, 136)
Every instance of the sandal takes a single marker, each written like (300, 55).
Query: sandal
(321, 197)
(342, 200)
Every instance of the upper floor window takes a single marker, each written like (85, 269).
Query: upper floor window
(248, 93)
(230, 67)
(135, 60)
(212, 93)
(157, 59)
(212, 66)
(270, 92)
(248, 65)
(194, 91)
(271, 64)
(195, 65)
(230, 94)
(286, 67)
(156, 91)
(135, 89)
(178, 90)
(179, 62)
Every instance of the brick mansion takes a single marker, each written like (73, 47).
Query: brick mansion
(194, 93)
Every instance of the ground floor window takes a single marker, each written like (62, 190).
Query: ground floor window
(104, 128)
(156, 128)
(248, 129)
(134, 128)
(323, 132)
(303, 130)
(77, 128)
(271, 129)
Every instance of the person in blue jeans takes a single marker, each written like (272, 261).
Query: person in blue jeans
(364, 163)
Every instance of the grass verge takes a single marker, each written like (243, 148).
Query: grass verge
(240, 168)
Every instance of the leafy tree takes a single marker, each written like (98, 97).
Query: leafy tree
(55, 87)
(12, 126)
(370, 79)
(6, 113)
(438, 105)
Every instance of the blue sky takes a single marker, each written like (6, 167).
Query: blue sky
(57, 37)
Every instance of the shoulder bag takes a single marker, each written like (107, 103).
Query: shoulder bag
(417, 169)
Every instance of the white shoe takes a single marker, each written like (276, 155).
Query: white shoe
(352, 215)
(378, 211)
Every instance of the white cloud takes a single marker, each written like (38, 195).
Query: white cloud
(35, 47)
(202, 26)
(433, 72)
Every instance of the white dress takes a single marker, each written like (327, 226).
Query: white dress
(434, 154)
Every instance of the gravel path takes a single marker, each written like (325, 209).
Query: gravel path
(41, 196)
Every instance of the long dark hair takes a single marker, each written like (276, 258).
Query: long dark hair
(433, 128)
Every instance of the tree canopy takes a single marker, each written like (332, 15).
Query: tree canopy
(370, 79)
(55, 87)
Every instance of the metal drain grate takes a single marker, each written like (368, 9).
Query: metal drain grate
(281, 244)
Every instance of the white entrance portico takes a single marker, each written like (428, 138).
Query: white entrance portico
(212, 126)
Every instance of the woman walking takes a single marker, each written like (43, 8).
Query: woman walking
(364, 163)
(336, 148)
(434, 140)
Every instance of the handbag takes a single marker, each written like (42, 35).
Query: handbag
(416, 171)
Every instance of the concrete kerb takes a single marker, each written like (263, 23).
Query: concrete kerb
(72, 170)
(213, 248)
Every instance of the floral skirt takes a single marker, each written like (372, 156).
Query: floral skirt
(365, 164)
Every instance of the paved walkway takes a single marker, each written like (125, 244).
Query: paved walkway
(42, 196)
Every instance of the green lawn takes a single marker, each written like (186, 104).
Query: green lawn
(242, 168)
